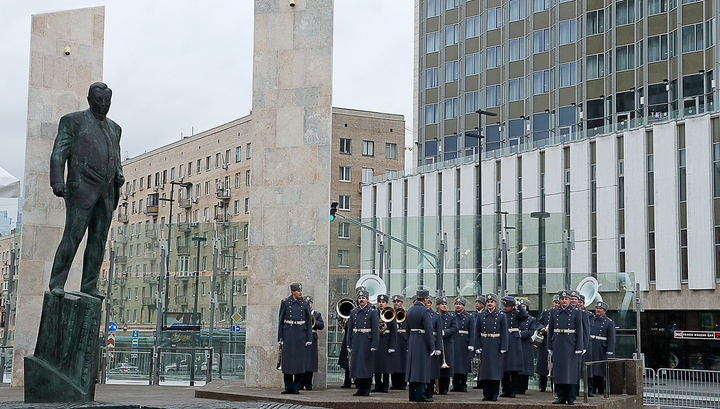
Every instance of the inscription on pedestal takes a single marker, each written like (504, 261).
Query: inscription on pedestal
(64, 366)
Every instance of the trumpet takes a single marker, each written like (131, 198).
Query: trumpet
(343, 308)
(387, 315)
(400, 314)
(279, 361)
(444, 364)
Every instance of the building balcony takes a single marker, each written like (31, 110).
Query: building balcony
(151, 233)
(184, 227)
(222, 218)
(151, 211)
(181, 300)
(223, 193)
(121, 239)
(182, 276)
(226, 245)
(148, 301)
(120, 281)
(119, 302)
(122, 218)
(149, 279)
(185, 250)
(185, 203)
(150, 256)
(222, 298)
(121, 260)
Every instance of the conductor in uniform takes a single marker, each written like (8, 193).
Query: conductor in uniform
(386, 348)
(295, 335)
(464, 341)
(399, 358)
(363, 338)
(448, 328)
(312, 356)
(565, 343)
(491, 343)
(421, 347)
(602, 346)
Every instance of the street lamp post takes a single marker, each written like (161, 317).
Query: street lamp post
(167, 267)
(478, 226)
(197, 240)
(541, 216)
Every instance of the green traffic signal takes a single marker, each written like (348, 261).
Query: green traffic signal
(333, 210)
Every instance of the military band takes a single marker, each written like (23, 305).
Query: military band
(422, 345)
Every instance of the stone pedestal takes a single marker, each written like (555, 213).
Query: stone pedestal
(64, 367)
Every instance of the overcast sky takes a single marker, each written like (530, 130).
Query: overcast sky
(180, 65)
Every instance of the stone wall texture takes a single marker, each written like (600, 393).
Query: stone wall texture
(58, 85)
(290, 193)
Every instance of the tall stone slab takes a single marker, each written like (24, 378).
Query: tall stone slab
(66, 56)
(291, 168)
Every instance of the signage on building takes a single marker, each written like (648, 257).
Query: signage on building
(711, 335)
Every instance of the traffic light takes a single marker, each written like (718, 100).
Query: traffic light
(333, 210)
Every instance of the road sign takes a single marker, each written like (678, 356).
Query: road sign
(236, 317)
(112, 327)
(136, 333)
(111, 340)
(111, 355)
(235, 328)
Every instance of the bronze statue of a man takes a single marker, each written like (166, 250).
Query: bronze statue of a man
(89, 143)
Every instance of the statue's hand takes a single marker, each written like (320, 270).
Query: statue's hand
(119, 180)
(59, 189)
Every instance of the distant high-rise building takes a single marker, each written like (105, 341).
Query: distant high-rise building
(5, 223)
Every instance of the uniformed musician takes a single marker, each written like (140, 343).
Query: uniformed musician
(479, 306)
(491, 343)
(602, 347)
(312, 356)
(527, 329)
(513, 361)
(363, 339)
(399, 358)
(448, 329)
(386, 349)
(421, 347)
(436, 360)
(464, 341)
(542, 364)
(295, 335)
(565, 342)
(577, 300)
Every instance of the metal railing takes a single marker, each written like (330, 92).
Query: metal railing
(6, 359)
(235, 366)
(606, 387)
(681, 388)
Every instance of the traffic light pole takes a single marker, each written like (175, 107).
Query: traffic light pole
(435, 260)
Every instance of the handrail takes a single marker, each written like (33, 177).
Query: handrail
(606, 393)
(221, 354)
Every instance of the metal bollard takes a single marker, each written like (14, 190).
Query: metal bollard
(155, 366)
(208, 364)
(585, 384)
(606, 393)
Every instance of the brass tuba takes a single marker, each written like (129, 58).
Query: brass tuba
(343, 308)
(400, 314)
(387, 315)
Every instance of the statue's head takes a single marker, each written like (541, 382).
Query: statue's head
(99, 97)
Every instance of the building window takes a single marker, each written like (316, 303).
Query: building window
(517, 49)
(657, 7)
(568, 74)
(238, 154)
(595, 22)
(540, 5)
(246, 231)
(345, 173)
(472, 64)
(207, 163)
(247, 205)
(517, 10)
(248, 152)
(452, 71)
(494, 18)
(237, 207)
(238, 179)
(248, 177)
(345, 146)
(368, 148)
(472, 26)
(494, 56)
(625, 57)
(343, 230)
(625, 12)
(471, 102)
(433, 8)
(517, 89)
(683, 204)
(391, 150)
(451, 108)
(657, 48)
(343, 258)
(433, 42)
(568, 31)
(452, 34)
(218, 160)
(367, 175)
(541, 82)
(710, 33)
(541, 40)
(451, 4)
(344, 202)
(493, 95)
(692, 38)
(431, 114)
(595, 66)
(432, 78)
